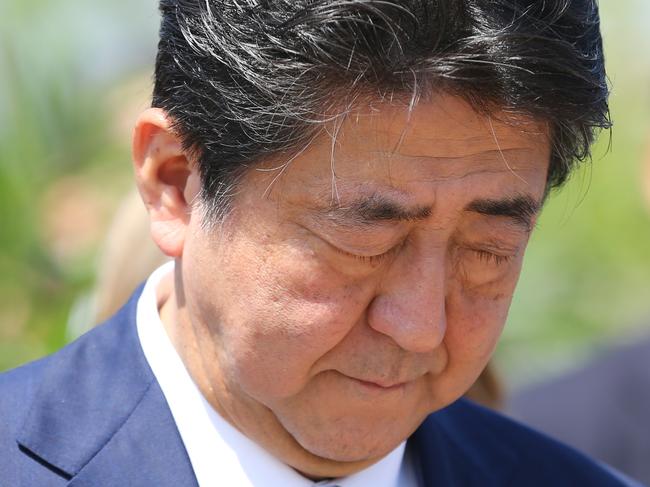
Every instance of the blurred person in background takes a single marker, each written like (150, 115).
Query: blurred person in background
(346, 190)
(602, 407)
(127, 258)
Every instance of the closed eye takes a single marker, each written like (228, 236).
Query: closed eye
(492, 258)
(372, 260)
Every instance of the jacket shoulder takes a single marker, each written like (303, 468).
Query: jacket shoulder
(35, 396)
(511, 453)
(17, 388)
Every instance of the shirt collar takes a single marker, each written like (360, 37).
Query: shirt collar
(216, 449)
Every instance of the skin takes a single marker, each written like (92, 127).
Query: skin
(358, 291)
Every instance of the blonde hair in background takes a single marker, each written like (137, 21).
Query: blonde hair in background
(488, 389)
(128, 257)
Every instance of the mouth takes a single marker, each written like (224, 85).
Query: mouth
(377, 386)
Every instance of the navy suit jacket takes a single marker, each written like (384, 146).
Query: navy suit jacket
(94, 415)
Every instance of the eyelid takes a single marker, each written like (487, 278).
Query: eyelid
(374, 258)
(495, 245)
(499, 250)
(367, 247)
(491, 257)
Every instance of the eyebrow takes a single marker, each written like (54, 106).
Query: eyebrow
(375, 209)
(521, 209)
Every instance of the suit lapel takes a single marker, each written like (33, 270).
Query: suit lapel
(147, 450)
(99, 412)
(430, 454)
(453, 447)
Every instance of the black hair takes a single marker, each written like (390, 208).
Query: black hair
(245, 80)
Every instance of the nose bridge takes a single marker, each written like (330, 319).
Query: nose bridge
(410, 303)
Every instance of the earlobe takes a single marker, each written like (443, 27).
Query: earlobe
(166, 179)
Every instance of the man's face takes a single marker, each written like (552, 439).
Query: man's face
(366, 285)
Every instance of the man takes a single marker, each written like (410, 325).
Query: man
(346, 189)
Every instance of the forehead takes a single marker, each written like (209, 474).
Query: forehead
(443, 127)
(406, 152)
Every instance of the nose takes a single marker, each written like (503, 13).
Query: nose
(410, 306)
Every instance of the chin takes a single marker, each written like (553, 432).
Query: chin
(347, 452)
(346, 443)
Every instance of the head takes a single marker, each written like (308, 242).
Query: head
(348, 189)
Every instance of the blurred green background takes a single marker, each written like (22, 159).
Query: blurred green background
(73, 76)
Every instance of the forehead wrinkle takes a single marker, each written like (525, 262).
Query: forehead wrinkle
(453, 167)
(496, 153)
(459, 145)
(461, 176)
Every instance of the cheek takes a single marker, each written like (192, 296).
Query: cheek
(475, 324)
(286, 314)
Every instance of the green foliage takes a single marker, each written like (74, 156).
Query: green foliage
(586, 280)
(51, 125)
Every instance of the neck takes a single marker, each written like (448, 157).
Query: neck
(252, 419)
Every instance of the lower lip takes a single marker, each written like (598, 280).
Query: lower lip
(376, 387)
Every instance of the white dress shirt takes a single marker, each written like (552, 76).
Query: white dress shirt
(218, 452)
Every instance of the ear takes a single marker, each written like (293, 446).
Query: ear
(167, 180)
